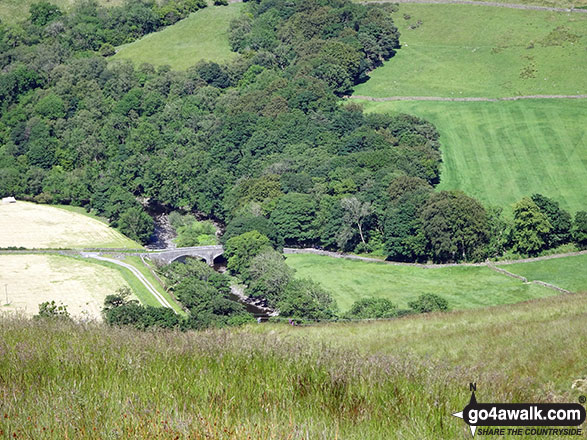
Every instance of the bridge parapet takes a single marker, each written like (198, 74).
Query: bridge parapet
(168, 256)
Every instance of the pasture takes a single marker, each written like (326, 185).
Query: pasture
(381, 380)
(16, 10)
(500, 152)
(569, 273)
(482, 51)
(201, 36)
(28, 280)
(464, 287)
(42, 226)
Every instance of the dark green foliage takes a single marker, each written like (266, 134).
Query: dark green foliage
(306, 300)
(136, 224)
(203, 292)
(372, 308)
(429, 303)
(49, 309)
(530, 228)
(292, 216)
(455, 226)
(240, 225)
(559, 219)
(43, 12)
(580, 229)
(240, 250)
(268, 276)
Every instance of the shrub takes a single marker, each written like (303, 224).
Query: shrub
(429, 303)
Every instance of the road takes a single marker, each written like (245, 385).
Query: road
(136, 273)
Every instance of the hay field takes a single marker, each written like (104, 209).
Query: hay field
(33, 279)
(40, 226)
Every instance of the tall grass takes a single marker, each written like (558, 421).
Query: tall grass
(63, 380)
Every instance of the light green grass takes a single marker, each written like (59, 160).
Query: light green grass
(500, 152)
(548, 3)
(400, 379)
(17, 10)
(463, 287)
(463, 51)
(201, 36)
(569, 273)
(138, 263)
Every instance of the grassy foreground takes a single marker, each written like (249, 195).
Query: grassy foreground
(396, 379)
(500, 152)
(464, 50)
(464, 287)
(201, 36)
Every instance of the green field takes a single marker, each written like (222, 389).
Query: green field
(201, 36)
(16, 10)
(569, 273)
(479, 51)
(500, 152)
(548, 3)
(384, 380)
(463, 287)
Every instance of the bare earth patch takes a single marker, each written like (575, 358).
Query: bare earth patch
(33, 279)
(41, 226)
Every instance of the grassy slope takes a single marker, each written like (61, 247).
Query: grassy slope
(500, 152)
(397, 379)
(137, 262)
(568, 273)
(463, 50)
(201, 36)
(463, 287)
(16, 10)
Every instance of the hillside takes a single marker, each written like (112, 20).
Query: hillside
(201, 36)
(16, 10)
(402, 378)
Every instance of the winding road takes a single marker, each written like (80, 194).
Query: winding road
(136, 273)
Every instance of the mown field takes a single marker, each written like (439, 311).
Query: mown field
(383, 380)
(569, 273)
(32, 279)
(500, 152)
(16, 10)
(41, 226)
(201, 36)
(482, 51)
(464, 287)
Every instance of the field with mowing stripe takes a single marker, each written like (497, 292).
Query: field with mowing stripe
(201, 36)
(500, 152)
(33, 279)
(41, 226)
(463, 287)
(569, 273)
(464, 50)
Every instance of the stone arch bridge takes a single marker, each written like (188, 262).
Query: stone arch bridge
(168, 256)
